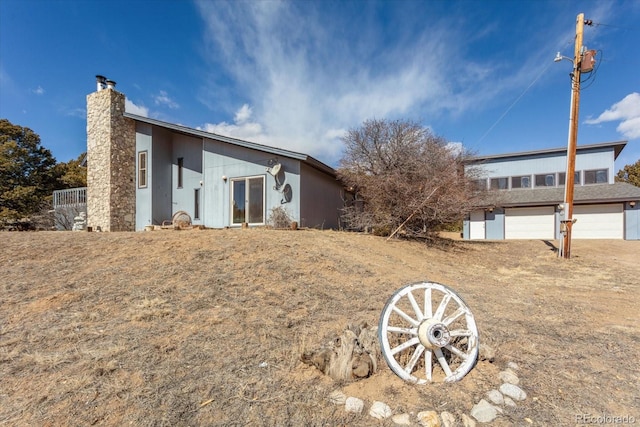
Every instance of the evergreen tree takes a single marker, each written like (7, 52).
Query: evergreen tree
(28, 172)
(630, 174)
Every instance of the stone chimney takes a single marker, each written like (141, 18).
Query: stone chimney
(111, 160)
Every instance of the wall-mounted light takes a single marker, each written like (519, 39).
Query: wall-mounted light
(632, 204)
(224, 178)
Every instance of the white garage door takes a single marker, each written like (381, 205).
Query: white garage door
(529, 223)
(477, 225)
(598, 222)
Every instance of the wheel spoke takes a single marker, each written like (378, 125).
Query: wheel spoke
(460, 333)
(442, 307)
(399, 330)
(442, 361)
(428, 369)
(428, 309)
(414, 359)
(452, 318)
(456, 351)
(414, 305)
(406, 317)
(405, 345)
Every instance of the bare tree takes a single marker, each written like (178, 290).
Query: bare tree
(403, 178)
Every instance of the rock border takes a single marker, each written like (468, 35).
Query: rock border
(509, 394)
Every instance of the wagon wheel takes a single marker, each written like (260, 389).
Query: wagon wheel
(181, 219)
(428, 334)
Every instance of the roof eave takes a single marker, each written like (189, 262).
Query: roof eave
(316, 164)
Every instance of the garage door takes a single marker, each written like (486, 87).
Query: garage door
(598, 222)
(529, 223)
(477, 225)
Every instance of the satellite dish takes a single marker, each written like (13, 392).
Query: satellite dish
(287, 194)
(275, 169)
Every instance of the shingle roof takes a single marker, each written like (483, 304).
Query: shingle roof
(583, 194)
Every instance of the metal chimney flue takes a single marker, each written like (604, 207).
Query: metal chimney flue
(101, 82)
(111, 84)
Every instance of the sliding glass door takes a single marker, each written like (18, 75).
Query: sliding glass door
(247, 200)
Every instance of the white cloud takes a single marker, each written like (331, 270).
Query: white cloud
(627, 112)
(80, 113)
(243, 114)
(163, 98)
(132, 108)
(307, 84)
(242, 128)
(39, 90)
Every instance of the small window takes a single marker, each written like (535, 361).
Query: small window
(599, 176)
(196, 203)
(562, 175)
(521, 182)
(499, 183)
(546, 180)
(180, 170)
(142, 169)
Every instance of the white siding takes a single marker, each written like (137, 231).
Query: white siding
(598, 222)
(529, 223)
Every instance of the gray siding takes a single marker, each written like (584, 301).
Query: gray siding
(225, 160)
(601, 158)
(153, 203)
(494, 224)
(161, 162)
(322, 199)
(190, 150)
(143, 195)
(632, 222)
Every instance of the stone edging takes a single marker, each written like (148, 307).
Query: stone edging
(485, 411)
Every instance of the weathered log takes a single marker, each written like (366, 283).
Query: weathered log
(351, 356)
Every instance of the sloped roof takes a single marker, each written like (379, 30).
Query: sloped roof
(583, 194)
(239, 142)
(617, 146)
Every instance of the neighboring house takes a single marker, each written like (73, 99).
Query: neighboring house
(527, 192)
(142, 172)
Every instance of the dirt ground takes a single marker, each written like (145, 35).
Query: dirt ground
(206, 327)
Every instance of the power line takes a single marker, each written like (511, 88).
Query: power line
(514, 102)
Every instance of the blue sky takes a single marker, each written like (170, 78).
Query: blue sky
(297, 74)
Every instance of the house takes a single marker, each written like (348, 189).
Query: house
(526, 195)
(143, 172)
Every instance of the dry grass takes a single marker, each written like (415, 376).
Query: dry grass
(206, 327)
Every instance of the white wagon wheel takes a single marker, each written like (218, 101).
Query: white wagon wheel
(428, 334)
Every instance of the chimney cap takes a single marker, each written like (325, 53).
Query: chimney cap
(100, 78)
(110, 84)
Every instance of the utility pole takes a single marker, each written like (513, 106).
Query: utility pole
(567, 223)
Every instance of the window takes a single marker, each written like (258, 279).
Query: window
(598, 176)
(196, 203)
(562, 175)
(499, 183)
(479, 184)
(180, 170)
(247, 200)
(142, 169)
(521, 182)
(545, 180)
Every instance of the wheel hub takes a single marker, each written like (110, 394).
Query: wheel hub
(433, 333)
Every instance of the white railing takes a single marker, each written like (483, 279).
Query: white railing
(70, 197)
